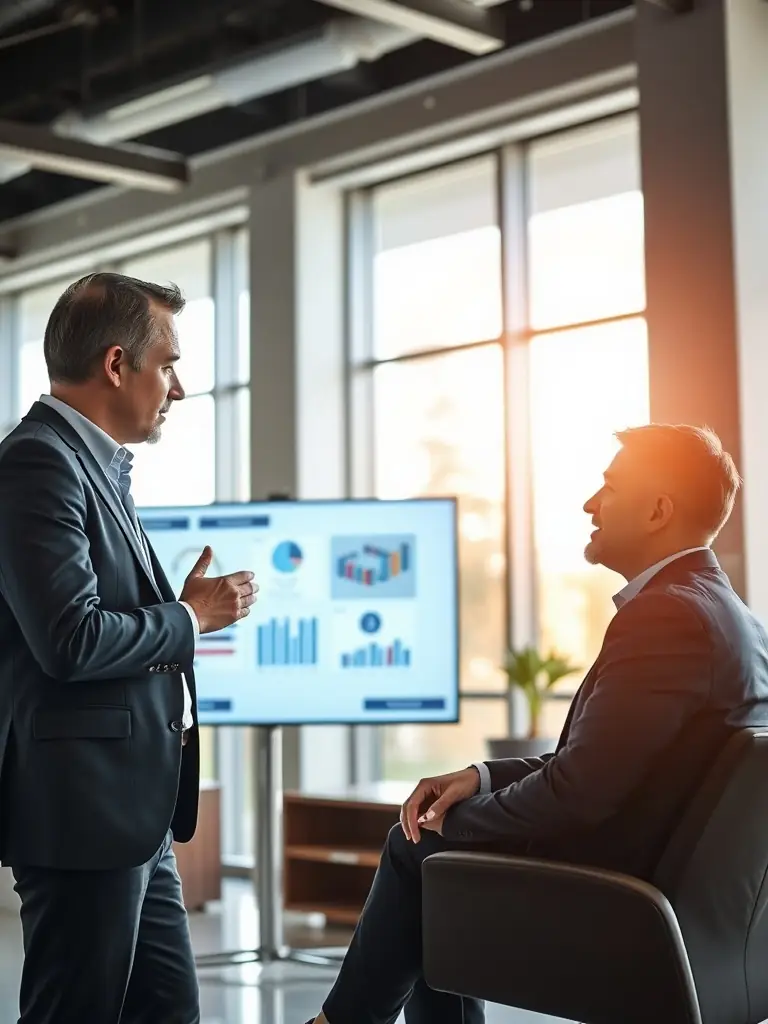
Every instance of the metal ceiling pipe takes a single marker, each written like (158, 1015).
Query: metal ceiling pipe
(14, 11)
(342, 45)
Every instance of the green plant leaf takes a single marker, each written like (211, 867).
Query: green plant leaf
(533, 673)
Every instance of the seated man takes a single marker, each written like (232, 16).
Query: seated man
(682, 666)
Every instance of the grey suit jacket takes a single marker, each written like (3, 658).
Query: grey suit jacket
(682, 666)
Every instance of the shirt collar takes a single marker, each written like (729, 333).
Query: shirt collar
(110, 455)
(633, 588)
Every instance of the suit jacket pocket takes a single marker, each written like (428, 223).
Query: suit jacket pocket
(99, 723)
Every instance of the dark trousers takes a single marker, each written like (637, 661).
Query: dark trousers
(104, 947)
(382, 971)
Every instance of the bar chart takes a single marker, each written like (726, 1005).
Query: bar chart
(373, 655)
(384, 565)
(285, 642)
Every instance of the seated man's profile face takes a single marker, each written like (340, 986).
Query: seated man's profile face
(632, 513)
(670, 489)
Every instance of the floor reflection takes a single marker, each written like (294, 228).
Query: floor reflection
(283, 993)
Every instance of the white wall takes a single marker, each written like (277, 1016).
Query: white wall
(747, 49)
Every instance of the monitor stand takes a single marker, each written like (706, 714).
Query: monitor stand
(268, 790)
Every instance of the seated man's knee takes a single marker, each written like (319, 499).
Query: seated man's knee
(396, 842)
(402, 849)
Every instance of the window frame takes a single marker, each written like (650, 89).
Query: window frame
(514, 212)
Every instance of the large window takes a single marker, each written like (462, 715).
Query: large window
(436, 372)
(437, 263)
(181, 469)
(436, 398)
(34, 308)
(588, 364)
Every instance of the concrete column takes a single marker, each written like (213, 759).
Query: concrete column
(272, 229)
(703, 131)
(297, 388)
(273, 337)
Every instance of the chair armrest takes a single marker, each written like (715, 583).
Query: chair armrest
(580, 943)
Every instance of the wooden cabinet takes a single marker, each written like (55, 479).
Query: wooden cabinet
(199, 861)
(333, 842)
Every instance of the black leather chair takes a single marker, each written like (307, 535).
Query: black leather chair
(603, 948)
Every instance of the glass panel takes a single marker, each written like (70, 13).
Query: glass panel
(234, 418)
(244, 335)
(208, 753)
(439, 429)
(188, 266)
(35, 307)
(437, 263)
(242, 400)
(33, 374)
(585, 384)
(181, 468)
(413, 752)
(586, 226)
(243, 308)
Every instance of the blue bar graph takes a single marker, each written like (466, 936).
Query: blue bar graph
(373, 655)
(280, 642)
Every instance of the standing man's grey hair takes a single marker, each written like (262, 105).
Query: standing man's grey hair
(98, 312)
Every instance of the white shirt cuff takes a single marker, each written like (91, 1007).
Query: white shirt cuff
(485, 776)
(193, 617)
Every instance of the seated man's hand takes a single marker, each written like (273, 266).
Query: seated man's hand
(427, 805)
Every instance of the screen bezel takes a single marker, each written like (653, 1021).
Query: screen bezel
(448, 500)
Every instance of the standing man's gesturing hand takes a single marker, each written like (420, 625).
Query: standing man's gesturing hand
(221, 600)
(427, 805)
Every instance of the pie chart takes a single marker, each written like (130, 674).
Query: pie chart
(287, 556)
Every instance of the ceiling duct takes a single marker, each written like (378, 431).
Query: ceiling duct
(342, 45)
(14, 11)
(465, 24)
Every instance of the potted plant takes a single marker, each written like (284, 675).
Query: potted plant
(533, 674)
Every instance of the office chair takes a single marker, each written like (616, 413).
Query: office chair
(600, 947)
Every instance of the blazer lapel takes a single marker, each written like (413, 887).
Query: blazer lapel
(163, 585)
(109, 497)
(42, 413)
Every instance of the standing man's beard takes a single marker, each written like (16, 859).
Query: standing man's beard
(157, 431)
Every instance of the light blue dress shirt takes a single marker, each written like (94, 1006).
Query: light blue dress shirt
(116, 462)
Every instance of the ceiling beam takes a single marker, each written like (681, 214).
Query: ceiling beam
(675, 6)
(129, 167)
(458, 23)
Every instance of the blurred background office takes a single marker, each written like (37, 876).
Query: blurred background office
(423, 254)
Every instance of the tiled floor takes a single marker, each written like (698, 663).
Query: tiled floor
(278, 994)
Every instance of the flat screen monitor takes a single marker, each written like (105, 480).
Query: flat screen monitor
(356, 619)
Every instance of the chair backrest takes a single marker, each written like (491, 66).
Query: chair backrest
(714, 874)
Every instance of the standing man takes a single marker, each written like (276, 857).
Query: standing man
(99, 755)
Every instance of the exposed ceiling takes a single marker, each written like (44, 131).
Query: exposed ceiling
(188, 76)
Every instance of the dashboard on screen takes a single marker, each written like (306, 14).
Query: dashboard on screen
(356, 619)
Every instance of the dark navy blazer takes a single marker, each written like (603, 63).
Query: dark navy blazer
(683, 665)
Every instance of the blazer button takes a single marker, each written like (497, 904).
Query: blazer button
(152, 668)
(177, 726)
